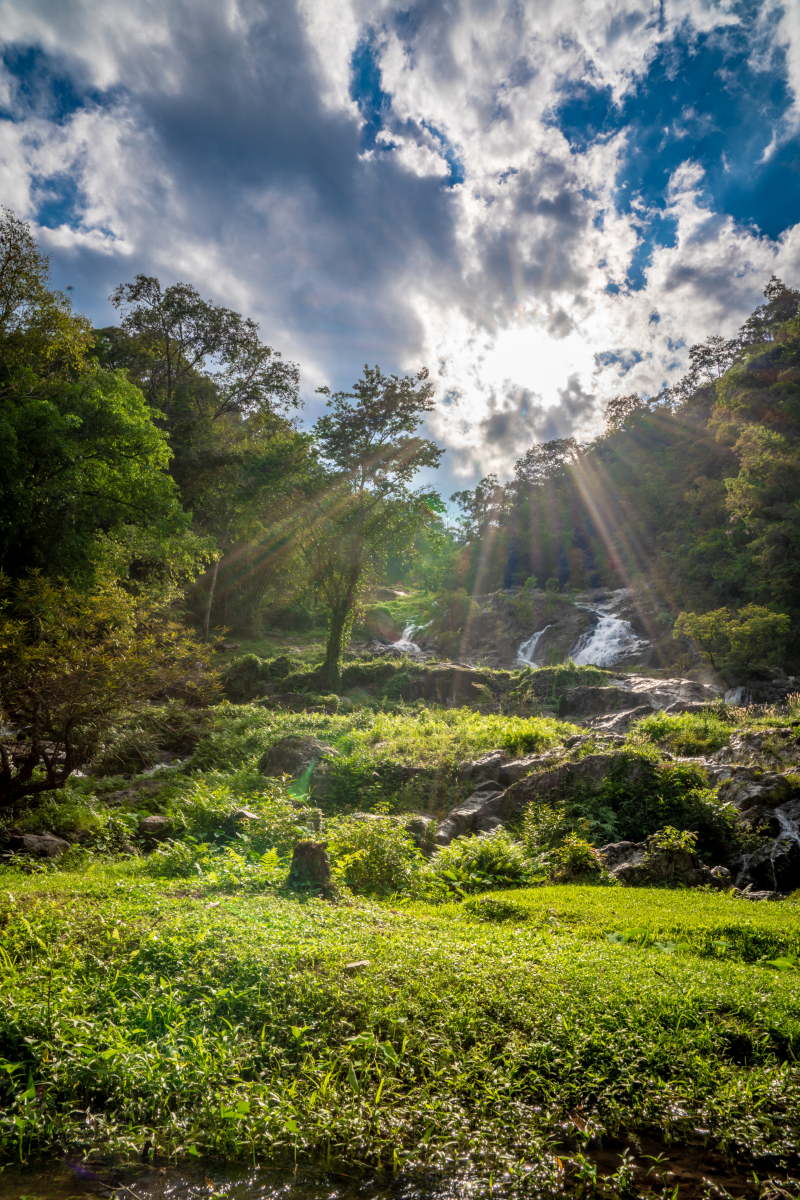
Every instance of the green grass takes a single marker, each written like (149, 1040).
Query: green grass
(686, 734)
(135, 1010)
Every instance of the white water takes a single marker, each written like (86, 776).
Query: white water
(610, 641)
(525, 654)
(405, 643)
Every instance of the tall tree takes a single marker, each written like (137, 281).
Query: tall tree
(81, 454)
(360, 506)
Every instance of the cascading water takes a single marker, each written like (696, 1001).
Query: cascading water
(405, 643)
(611, 640)
(527, 651)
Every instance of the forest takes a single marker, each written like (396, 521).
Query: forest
(307, 861)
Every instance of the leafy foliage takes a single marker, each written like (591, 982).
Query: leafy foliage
(72, 665)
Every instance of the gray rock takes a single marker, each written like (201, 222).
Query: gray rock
(631, 864)
(746, 787)
(660, 694)
(770, 749)
(775, 865)
(686, 706)
(155, 827)
(38, 845)
(293, 755)
(485, 810)
(620, 722)
(486, 767)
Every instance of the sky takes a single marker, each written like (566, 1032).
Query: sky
(545, 202)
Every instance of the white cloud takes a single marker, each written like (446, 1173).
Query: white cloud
(223, 147)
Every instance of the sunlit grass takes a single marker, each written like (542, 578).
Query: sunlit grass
(234, 1025)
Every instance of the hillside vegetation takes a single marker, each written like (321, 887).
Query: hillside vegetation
(276, 889)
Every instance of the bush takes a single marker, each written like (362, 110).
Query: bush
(474, 864)
(575, 859)
(373, 854)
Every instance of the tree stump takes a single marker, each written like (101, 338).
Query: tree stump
(310, 865)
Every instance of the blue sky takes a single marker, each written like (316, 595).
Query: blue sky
(544, 201)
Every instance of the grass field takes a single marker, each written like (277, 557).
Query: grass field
(507, 1033)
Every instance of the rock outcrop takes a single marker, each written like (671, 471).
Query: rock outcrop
(492, 804)
(642, 864)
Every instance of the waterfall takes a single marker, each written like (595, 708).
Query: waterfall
(405, 643)
(527, 649)
(610, 640)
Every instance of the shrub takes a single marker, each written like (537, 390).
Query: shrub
(574, 859)
(474, 864)
(373, 854)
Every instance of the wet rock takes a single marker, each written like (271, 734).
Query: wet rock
(293, 755)
(155, 827)
(310, 865)
(37, 845)
(775, 865)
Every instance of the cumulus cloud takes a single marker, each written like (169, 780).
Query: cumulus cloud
(544, 201)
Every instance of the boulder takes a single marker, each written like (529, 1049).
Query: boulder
(661, 694)
(642, 864)
(775, 865)
(747, 787)
(498, 766)
(490, 805)
(310, 865)
(155, 827)
(38, 845)
(293, 755)
(620, 722)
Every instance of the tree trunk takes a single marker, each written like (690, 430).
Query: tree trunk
(331, 674)
(214, 574)
(207, 619)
